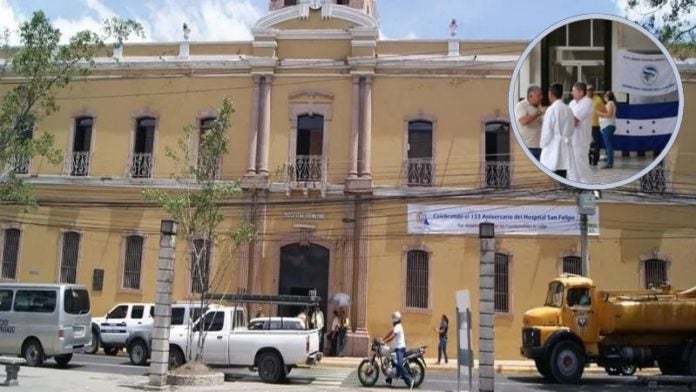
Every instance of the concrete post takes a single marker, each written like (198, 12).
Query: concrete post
(486, 307)
(159, 360)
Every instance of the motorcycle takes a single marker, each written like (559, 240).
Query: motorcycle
(382, 358)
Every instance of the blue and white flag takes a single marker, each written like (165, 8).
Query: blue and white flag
(644, 74)
(644, 127)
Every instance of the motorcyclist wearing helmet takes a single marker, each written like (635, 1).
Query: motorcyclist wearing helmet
(397, 334)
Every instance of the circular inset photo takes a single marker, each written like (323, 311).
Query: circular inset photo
(597, 102)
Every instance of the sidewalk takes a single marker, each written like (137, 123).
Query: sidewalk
(505, 367)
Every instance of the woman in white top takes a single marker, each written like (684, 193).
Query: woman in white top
(607, 123)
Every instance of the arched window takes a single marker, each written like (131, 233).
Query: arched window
(501, 289)
(133, 262)
(572, 265)
(69, 257)
(82, 143)
(417, 279)
(143, 147)
(497, 135)
(419, 154)
(655, 273)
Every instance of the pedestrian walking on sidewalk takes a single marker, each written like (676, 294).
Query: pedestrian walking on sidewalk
(442, 339)
(343, 325)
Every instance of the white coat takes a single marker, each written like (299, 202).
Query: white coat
(556, 133)
(579, 170)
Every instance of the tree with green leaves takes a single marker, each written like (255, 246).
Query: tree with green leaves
(671, 21)
(40, 67)
(197, 208)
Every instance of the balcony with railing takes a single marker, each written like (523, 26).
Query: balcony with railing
(216, 170)
(141, 165)
(419, 171)
(655, 181)
(78, 163)
(20, 164)
(307, 172)
(498, 174)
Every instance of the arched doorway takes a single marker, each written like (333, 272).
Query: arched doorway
(303, 267)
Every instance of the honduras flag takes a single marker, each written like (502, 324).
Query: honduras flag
(644, 127)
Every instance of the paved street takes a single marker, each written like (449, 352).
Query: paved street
(103, 369)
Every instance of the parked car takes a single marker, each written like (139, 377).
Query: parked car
(39, 321)
(230, 343)
(275, 323)
(123, 320)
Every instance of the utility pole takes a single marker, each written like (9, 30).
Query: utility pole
(586, 207)
(486, 307)
(159, 361)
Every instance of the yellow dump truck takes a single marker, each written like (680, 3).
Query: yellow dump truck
(580, 324)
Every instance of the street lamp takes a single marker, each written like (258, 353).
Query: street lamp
(486, 230)
(168, 227)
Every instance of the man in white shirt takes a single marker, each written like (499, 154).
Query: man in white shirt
(582, 108)
(528, 113)
(556, 133)
(399, 338)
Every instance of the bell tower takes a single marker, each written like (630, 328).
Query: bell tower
(367, 6)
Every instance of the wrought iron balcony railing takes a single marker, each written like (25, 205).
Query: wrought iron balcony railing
(655, 181)
(78, 163)
(498, 174)
(141, 165)
(20, 164)
(217, 171)
(419, 171)
(307, 168)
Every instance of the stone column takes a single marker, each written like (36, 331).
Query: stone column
(265, 134)
(159, 359)
(355, 131)
(361, 294)
(254, 129)
(486, 313)
(366, 131)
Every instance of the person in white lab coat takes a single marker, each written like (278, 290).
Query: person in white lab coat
(581, 105)
(556, 133)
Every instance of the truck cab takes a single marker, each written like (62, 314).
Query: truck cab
(568, 319)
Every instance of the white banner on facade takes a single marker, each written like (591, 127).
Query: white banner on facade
(508, 219)
(644, 74)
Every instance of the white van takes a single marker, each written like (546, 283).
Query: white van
(39, 321)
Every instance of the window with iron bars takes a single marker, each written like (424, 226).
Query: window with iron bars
(417, 274)
(501, 289)
(132, 265)
(200, 278)
(572, 265)
(69, 256)
(10, 253)
(655, 273)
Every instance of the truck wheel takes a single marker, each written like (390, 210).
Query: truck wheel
(33, 353)
(111, 350)
(691, 364)
(176, 357)
(543, 368)
(63, 360)
(669, 366)
(612, 370)
(368, 373)
(270, 365)
(627, 370)
(138, 353)
(567, 362)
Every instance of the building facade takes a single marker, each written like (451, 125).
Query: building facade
(336, 135)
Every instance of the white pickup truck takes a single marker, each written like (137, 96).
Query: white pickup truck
(229, 343)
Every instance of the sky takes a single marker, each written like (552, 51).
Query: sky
(230, 20)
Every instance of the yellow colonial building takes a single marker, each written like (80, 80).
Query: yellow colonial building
(345, 146)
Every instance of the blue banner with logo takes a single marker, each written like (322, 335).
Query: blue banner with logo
(644, 74)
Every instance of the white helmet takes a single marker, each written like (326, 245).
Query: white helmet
(396, 317)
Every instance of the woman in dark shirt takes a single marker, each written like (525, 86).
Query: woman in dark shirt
(442, 334)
